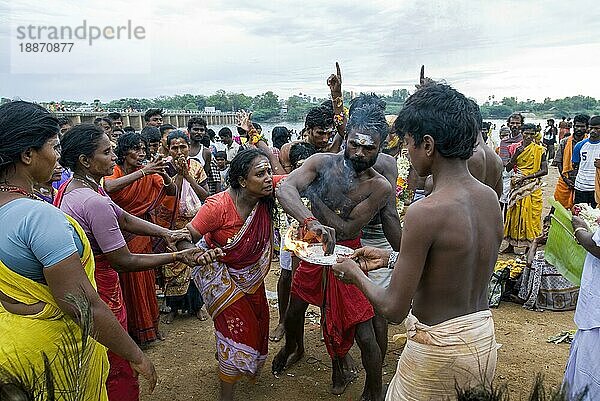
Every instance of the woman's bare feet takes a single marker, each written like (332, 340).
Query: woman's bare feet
(202, 314)
(168, 319)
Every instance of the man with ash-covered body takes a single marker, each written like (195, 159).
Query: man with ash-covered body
(345, 194)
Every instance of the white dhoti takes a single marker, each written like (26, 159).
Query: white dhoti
(372, 235)
(506, 176)
(461, 351)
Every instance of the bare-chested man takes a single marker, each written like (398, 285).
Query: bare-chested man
(449, 247)
(318, 130)
(345, 193)
(485, 164)
(384, 230)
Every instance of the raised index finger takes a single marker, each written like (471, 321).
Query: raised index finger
(337, 68)
(422, 76)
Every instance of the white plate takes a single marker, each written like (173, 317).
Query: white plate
(314, 254)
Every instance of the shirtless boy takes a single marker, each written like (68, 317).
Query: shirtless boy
(449, 246)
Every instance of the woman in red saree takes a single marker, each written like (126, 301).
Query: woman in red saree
(239, 221)
(138, 189)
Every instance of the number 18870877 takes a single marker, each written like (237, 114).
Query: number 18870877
(46, 47)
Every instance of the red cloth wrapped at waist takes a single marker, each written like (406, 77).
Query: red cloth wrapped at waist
(345, 304)
(109, 288)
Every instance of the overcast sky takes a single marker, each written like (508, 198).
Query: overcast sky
(528, 49)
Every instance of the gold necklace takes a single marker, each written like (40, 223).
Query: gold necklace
(87, 181)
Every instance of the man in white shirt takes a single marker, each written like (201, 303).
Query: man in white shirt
(231, 147)
(585, 154)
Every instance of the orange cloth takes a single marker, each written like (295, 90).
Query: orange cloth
(563, 194)
(139, 199)
(218, 218)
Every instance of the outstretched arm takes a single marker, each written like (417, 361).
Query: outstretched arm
(360, 215)
(394, 301)
(244, 121)
(584, 237)
(67, 277)
(288, 194)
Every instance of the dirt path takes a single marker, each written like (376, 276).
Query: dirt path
(188, 371)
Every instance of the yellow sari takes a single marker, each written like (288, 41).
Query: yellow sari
(524, 216)
(79, 371)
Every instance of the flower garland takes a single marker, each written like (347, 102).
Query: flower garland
(589, 214)
(403, 194)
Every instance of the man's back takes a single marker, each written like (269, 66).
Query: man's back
(467, 224)
(486, 166)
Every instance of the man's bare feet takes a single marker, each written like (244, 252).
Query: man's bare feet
(349, 367)
(339, 386)
(168, 319)
(202, 314)
(369, 397)
(284, 360)
(160, 335)
(278, 333)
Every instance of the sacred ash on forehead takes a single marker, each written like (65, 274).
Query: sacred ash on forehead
(364, 140)
(263, 165)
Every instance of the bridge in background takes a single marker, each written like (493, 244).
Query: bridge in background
(136, 119)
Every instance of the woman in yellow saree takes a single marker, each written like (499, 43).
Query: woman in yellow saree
(46, 265)
(76, 362)
(524, 216)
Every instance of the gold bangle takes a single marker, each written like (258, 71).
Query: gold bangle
(174, 256)
(143, 173)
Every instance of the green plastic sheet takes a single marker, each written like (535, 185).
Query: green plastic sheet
(562, 251)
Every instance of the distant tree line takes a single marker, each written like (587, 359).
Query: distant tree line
(568, 106)
(269, 106)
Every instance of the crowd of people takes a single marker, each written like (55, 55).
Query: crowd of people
(103, 213)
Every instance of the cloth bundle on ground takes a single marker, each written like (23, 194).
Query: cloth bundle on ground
(543, 287)
(460, 351)
(504, 280)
